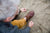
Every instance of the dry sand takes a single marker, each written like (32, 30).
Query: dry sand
(41, 18)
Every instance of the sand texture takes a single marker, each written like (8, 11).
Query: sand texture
(41, 18)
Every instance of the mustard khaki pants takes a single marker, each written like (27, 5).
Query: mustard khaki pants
(20, 23)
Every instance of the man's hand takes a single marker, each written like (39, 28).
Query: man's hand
(31, 24)
(23, 9)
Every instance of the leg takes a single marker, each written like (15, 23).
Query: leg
(20, 23)
(19, 11)
(17, 15)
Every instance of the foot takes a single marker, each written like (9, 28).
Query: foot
(31, 23)
(29, 15)
(23, 9)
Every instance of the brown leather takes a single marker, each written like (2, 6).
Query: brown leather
(30, 15)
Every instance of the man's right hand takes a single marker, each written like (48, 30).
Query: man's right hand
(31, 24)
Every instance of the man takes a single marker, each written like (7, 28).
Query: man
(8, 11)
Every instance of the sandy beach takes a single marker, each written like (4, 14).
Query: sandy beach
(41, 18)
